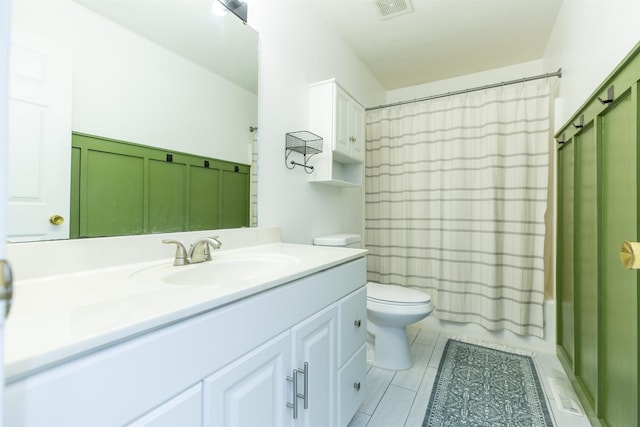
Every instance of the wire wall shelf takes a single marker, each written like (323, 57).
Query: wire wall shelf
(303, 142)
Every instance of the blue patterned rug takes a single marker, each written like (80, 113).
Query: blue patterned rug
(483, 387)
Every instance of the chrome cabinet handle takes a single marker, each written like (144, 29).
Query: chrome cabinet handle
(356, 385)
(357, 323)
(294, 405)
(305, 397)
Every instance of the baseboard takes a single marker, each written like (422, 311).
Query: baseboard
(577, 387)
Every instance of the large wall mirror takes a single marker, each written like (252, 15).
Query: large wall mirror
(162, 73)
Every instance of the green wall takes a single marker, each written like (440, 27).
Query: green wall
(121, 188)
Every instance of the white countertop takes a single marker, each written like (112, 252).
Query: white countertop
(57, 317)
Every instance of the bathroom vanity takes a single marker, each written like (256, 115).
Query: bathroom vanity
(147, 343)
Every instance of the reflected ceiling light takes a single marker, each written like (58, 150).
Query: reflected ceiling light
(237, 7)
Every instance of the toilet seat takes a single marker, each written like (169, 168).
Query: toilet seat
(396, 295)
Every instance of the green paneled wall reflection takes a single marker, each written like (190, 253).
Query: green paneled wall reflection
(120, 188)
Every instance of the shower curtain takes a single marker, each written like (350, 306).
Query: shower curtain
(455, 198)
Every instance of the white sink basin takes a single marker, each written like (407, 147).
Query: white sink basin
(223, 269)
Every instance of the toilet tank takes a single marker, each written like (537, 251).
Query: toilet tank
(339, 240)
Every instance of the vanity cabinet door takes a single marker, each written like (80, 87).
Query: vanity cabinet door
(252, 391)
(314, 343)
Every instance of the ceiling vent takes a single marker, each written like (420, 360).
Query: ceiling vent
(391, 8)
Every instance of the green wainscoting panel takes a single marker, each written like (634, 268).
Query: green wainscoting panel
(123, 188)
(167, 196)
(235, 193)
(564, 288)
(597, 212)
(74, 213)
(204, 198)
(586, 260)
(619, 287)
(112, 195)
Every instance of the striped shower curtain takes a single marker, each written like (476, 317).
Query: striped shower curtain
(455, 198)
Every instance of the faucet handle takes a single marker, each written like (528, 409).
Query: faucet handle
(181, 252)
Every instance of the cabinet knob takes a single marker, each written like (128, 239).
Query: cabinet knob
(357, 323)
(356, 385)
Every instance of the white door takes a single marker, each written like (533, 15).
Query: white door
(39, 149)
(314, 342)
(4, 115)
(251, 391)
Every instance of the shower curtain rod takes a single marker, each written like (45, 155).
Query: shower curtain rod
(459, 92)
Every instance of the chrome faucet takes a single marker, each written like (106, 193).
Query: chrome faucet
(205, 255)
(192, 256)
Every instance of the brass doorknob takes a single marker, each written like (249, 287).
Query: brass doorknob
(56, 220)
(630, 255)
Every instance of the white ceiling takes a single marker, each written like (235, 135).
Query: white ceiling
(189, 28)
(441, 38)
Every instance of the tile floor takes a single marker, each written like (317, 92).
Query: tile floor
(400, 398)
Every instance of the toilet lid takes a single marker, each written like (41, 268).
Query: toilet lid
(396, 294)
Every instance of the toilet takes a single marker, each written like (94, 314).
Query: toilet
(390, 308)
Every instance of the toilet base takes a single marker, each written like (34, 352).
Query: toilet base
(391, 347)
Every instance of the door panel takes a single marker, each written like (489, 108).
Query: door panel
(618, 292)
(251, 391)
(314, 343)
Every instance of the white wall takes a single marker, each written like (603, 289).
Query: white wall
(497, 75)
(297, 49)
(126, 87)
(588, 41)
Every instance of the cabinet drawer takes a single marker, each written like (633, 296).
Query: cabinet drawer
(352, 323)
(184, 410)
(352, 379)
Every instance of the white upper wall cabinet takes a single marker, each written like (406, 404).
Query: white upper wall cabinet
(339, 120)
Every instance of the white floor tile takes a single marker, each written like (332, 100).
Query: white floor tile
(378, 381)
(393, 408)
(438, 350)
(412, 377)
(412, 332)
(359, 420)
(427, 337)
(420, 403)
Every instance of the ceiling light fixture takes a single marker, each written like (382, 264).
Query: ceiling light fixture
(237, 7)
